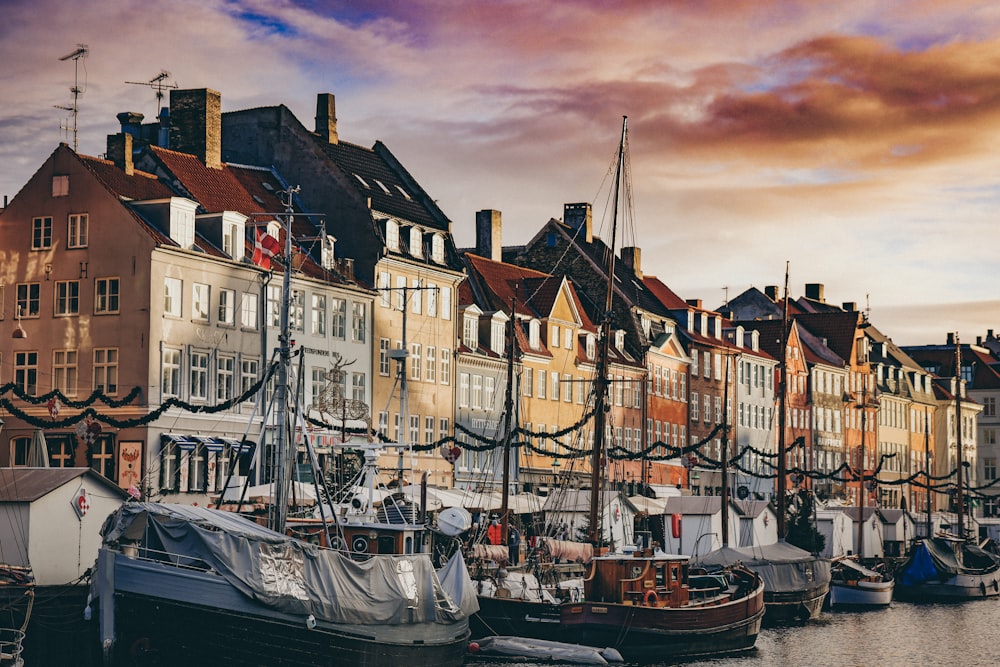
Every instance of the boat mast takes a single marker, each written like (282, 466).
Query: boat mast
(725, 456)
(282, 448)
(927, 465)
(508, 407)
(782, 382)
(601, 388)
(861, 465)
(959, 499)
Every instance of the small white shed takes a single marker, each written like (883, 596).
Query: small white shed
(835, 527)
(567, 511)
(51, 518)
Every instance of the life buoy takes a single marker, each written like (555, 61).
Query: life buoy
(651, 599)
(675, 525)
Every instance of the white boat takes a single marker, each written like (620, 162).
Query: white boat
(853, 585)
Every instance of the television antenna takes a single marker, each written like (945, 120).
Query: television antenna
(81, 52)
(159, 84)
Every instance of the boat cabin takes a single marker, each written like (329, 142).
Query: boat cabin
(639, 579)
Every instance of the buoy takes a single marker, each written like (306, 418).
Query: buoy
(474, 647)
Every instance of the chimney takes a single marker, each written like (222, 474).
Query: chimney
(326, 118)
(951, 338)
(163, 134)
(120, 151)
(815, 291)
(632, 256)
(488, 234)
(771, 292)
(580, 217)
(131, 122)
(989, 334)
(196, 124)
(850, 306)
(693, 302)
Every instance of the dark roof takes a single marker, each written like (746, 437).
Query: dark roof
(835, 328)
(940, 359)
(23, 485)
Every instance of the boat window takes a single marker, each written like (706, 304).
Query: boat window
(661, 579)
(408, 545)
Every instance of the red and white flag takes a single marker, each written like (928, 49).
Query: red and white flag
(264, 248)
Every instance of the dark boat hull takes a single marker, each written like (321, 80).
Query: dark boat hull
(795, 606)
(197, 618)
(653, 634)
(515, 618)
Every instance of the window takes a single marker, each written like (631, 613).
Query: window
(470, 332)
(60, 186)
(196, 468)
(989, 406)
(383, 356)
(359, 321)
(989, 468)
(391, 235)
(248, 311)
(232, 241)
(383, 423)
(694, 406)
(77, 229)
(225, 373)
(497, 336)
(489, 392)
(41, 233)
(318, 315)
(445, 365)
(414, 429)
(26, 371)
(64, 371)
(567, 389)
(199, 375)
(527, 384)
(477, 391)
(555, 386)
(415, 359)
(543, 380)
(27, 299)
(169, 465)
(428, 429)
(338, 318)
(431, 365)
(445, 303)
(317, 384)
(567, 338)
(358, 387)
(383, 287)
(416, 242)
(591, 346)
(227, 300)
(437, 248)
(19, 451)
(200, 300)
(106, 370)
(272, 308)
(444, 428)
(432, 300)
(534, 334)
(106, 296)
(463, 390)
(554, 336)
(248, 374)
(172, 297)
(171, 372)
(297, 310)
(68, 297)
(400, 292)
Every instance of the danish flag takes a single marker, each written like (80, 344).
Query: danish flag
(264, 248)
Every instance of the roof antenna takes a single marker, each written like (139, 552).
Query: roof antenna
(159, 84)
(81, 52)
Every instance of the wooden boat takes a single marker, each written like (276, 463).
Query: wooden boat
(652, 608)
(17, 596)
(853, 585)
(946, 569)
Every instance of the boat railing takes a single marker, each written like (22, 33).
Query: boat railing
(11, 646)
(136, 552)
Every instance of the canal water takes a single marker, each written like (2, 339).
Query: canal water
(905, 634)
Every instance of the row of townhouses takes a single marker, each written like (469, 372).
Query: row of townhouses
(145, 286)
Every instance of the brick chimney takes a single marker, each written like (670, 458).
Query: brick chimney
(488, 234)
(120, 152)
(632, 257)
(196, 124)
(581, 217)
(326, 118)
(850, 306)
(771, 292)
(815, 291)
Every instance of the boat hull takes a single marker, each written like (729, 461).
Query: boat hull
(795, 606)
(861, 594)
(956, 588)
(160, 614)
(654, 634)
(515, 618)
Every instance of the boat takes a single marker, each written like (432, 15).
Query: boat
(177, 584)
(946, 568)
(854, 585)
(17, 597)
(541, 650)
(796, 581)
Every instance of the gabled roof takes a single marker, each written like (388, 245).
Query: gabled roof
(216, 190)
(140, 186)
(25, 485)
(941, 358)
(836, 328)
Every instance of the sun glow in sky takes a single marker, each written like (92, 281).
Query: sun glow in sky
(857, 140)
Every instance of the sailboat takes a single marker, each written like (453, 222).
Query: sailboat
(950, 567)
(795, 581)
(852, 584)
(182, 584)
(640, 600)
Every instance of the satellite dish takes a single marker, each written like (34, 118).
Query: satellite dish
(454, 521)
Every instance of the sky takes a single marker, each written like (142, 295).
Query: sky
(855, 142)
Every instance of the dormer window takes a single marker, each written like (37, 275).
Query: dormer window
(363, 182)
(182, 221)
(620, 339)
(646, 324)
(534, 334)
(392, 235)
(470, 331)
(329, 258)
(416, 242)
(437, 248)
(274, 229)
(591, 346)
(497, 331)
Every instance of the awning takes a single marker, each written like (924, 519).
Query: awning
(211, 443)
(183, 442)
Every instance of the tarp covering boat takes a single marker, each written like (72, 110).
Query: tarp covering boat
(281, 572)
(936, 558)
(543, 650)
(782, 566)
